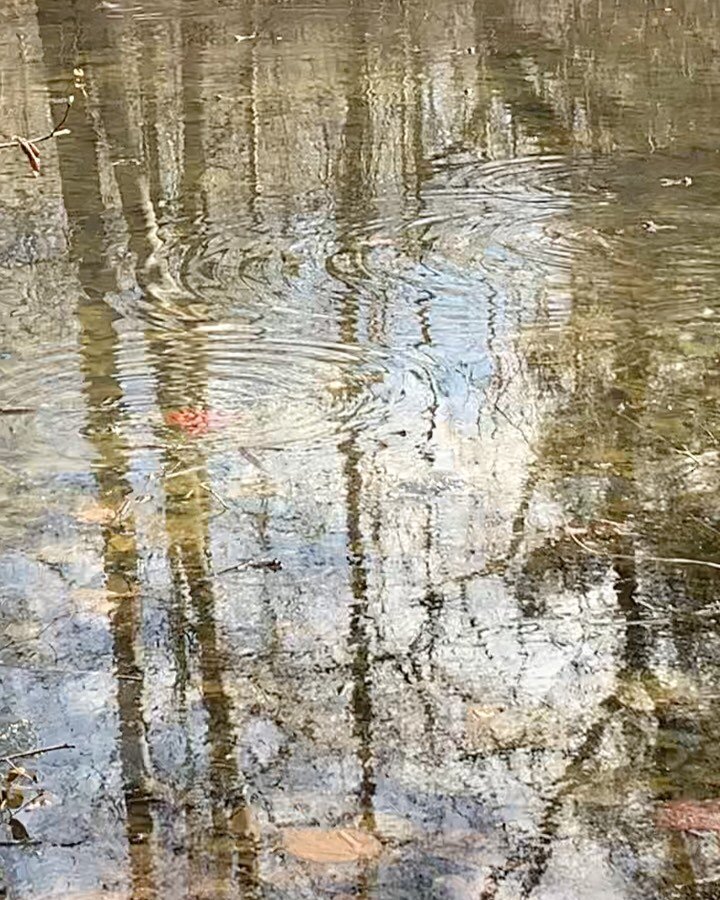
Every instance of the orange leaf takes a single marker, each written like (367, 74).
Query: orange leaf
(197, 422)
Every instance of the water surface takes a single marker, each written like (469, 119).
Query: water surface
(360, 449)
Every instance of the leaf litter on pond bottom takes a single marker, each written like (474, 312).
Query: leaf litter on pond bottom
(98, 601)
(494, 727)
(689, 815)
(331, 845)
(95, 514)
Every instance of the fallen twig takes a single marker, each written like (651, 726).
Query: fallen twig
(20, 843)
(252, 459)
(273, 564)
(214, 493)
(41, 793)
(29, 145)
(37, 751)
(36, 843)
(672, 560)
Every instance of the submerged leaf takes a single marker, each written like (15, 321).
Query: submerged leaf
(689, 815)
(490, 727)
(19, 772)
(243, 825)
(633, 694)
(197, 422)
(96, 514)
(122, 543)
(338, 845)
(18, 830)
(92, 600)
(117, 586)
(11, 799)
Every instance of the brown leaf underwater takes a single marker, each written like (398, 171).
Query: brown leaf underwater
(95, 514)
(331, 845)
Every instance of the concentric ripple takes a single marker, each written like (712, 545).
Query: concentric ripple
(512, 216)
(303, 340)
(503, 224)
(209, 266)
(537, 177)
(42, 409)
(276, 392)
(260, 392)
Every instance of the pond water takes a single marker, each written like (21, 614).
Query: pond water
(360, 450)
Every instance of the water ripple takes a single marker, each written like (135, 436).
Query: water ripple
(275, 392)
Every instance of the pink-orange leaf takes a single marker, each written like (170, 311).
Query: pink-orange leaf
(689, 815)
(197, 422)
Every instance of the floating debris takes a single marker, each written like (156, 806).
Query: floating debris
(653, 227)
(672, 182)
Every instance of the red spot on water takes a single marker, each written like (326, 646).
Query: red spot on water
(196, 422)
(689, 815)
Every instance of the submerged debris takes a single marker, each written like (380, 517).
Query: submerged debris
(338, 845)
(273, 565)
(197, 422)
(96, 514)
(653, 227)
(20, 790)
(672, 182)
(689, 815)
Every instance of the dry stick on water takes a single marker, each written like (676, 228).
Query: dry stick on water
(41, 843)
(29, 145)
(206, 487)
(673, 560)
(37, 751)
(274, 565)
(19, 832)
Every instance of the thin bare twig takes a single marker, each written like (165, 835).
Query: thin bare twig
(56, 130)
(36, 843)
(673, 560)
(214, 493)
(37, 751)
(20, 843)
(41, 793)
(29, 145)
(273, 564)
